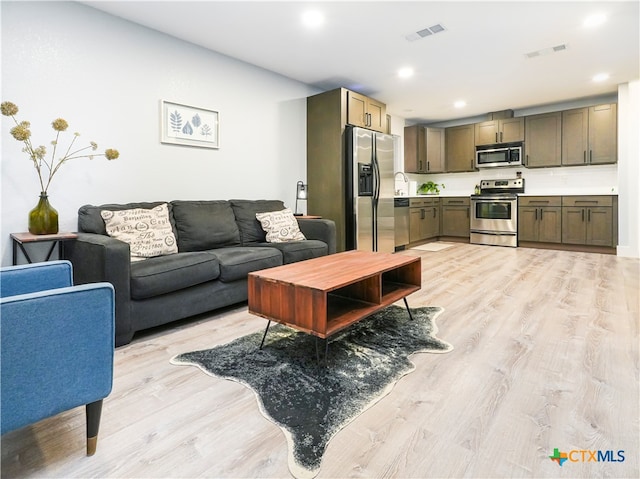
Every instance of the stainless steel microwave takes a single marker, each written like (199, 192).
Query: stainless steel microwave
(496, 156)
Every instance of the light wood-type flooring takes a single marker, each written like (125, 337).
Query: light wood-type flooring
(546, 356)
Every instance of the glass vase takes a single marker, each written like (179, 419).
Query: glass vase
(43, 219)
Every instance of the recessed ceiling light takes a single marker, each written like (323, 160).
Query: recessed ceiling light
(600, 77)
(405, 72)
(594, 20)
(460, 104)
(312, 19)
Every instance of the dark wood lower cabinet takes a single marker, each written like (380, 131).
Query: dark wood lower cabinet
(455, 217)
(423, 223)
(582, 222)
(588, 226)
(579, 223)
(540, 219)
(424, 219)
(542, 224)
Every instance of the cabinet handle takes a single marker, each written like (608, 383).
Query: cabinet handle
(434, 212)
(583, 215)
(536, 214)
(423, 216)
(496, 137)
(428, 166)
(500, 136)
(589, 215)
(468, 212)
(540, 214)
(584, 156)
(590, 156)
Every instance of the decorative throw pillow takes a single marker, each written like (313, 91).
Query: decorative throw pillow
(280, 226)
(148, 232)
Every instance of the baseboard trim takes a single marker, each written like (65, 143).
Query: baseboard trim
(568, 247)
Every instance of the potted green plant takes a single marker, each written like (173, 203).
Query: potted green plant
(430, 188)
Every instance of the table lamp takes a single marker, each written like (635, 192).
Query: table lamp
(301, 194)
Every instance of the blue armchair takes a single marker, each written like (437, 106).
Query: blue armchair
(57, 345)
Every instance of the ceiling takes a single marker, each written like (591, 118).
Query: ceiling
(485, 55)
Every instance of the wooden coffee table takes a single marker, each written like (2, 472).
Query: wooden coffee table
(322, 296)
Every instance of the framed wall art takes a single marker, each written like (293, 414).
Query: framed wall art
(189, 125)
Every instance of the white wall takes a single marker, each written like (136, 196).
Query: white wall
(629, 169)
(106, 77)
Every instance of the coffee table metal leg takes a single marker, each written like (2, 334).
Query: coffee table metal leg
(265, 334)
(326, 351)
(408, 310)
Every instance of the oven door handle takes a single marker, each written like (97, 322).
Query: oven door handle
(495, 233)
(505, 200)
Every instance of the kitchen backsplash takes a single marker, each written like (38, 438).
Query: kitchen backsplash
(576, 180)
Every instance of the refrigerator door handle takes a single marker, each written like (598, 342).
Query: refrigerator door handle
(376, 196)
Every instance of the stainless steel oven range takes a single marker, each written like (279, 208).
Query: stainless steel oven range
(494, 212)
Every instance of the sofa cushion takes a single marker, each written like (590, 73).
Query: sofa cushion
(90, 219)
(280, 226)
(293, 251)
(245, 211)
(164, 274)
(237, 262)
(148, 231)
(204, 225)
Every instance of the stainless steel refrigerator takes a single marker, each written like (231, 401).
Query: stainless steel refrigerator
(369, 190)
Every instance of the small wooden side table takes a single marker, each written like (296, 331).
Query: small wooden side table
(308, 217)
(21, 239)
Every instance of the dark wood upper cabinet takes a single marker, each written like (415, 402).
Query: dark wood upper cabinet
(424, 149)
(543, 140)
(460, 149)
(589, 135)
(366, 112)
(506, 130)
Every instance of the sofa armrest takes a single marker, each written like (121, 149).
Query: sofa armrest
(319, 229)
(97, 258)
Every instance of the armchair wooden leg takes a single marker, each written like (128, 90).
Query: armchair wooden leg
(93, 413)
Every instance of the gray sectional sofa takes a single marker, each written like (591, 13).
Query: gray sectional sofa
(219, 243)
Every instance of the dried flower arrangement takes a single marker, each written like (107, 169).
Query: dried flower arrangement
(47, 169)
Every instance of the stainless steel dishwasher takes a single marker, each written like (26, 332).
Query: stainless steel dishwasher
(401, 217)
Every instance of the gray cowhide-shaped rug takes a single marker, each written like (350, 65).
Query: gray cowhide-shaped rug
(312, 401)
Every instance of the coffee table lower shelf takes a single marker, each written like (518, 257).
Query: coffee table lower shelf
(343, 311)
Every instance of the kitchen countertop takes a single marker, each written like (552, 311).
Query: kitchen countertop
(569, 194)
(462, 195)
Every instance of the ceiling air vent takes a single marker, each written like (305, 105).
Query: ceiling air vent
(546, 51)
(425, 32)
